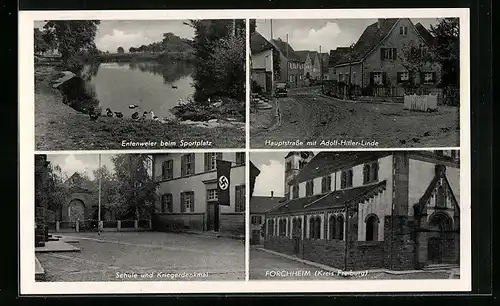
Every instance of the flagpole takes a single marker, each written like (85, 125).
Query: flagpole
(99, 207)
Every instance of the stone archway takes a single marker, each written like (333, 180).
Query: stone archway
(440, 241)
(76, 210)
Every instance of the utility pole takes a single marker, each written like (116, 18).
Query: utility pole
(321, 67)
(271, 29)
(346, 234)
(99, 201)
(287, 59)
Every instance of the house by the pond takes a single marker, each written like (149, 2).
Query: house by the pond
(187, 193)
(375, 60)
(291, 65)
(262, 62)
(366, 210)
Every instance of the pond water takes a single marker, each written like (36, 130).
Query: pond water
(152, 86)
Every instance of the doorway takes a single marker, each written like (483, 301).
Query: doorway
(213, 216)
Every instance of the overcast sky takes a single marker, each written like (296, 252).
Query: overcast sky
(71, 163)
(127, 33)
(309, 34)
(272, 173)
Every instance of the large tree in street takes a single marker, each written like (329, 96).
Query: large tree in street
(416, 59)
(71, 36)
(447, 48)
(136, 189)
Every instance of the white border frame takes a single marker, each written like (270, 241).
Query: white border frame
(28, 286)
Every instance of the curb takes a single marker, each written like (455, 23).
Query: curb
(360, 101)
(339, 271)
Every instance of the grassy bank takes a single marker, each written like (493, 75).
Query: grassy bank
(60, 127)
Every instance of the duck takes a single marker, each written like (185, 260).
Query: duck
(93, 116)
(144, 115)
(118, 114)
(132, 106)
(135, 115)
(153, 117)
(109, 113)
(174, 86)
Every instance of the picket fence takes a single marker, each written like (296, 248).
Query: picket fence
(420, 102)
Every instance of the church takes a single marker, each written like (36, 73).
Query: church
(398, 210)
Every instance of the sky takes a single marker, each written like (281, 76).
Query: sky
(272, 173)
(310, 34)
(71, 163)
(127, 33)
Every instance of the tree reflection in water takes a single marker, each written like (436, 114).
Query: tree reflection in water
(170, 71)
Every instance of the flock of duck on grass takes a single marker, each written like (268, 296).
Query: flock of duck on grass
(145, 115)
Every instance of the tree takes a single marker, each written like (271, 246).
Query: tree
(446, 49)
(71, 36)
(351, 56)
(120, 50)
(136, 189)
(415, 58)
(253, 26)
(132, 50)
(39, 42)
(109, 190)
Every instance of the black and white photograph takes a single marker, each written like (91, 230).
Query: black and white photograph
(139, 84)
(355, 83)
(140, 217)
(363, 215)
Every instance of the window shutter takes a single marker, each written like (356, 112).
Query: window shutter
(394, 53)
(382, 51)
(422, 77)
(183, 204)
(164, 170)
(219, 156)
(399, 77)
(183, 165)
(207, 161)
(434, 77)
(372, 76)
(191, 195)
(384, 78)
(343, 180)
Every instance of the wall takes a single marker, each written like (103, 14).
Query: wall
(263, 60)
(233, 223)
(196, 182)
(421, 174)
(356, 72)
(178, 222)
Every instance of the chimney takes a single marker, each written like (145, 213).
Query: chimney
(380, 22)
(272, 194)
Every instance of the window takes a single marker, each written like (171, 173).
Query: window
(441, 197)
(295, 191)
(288, 166)
(377, 78)
(166, 203)
(167, 170)
(387, 54)
(403, 76)
(315, 227)
(428, 77)
(353, 77)
(256, 220)
(187, 201)
(240, 158)
(211, 161)
(403, 30)
(370, 172)
(372, 228)
(340, 228)
(346, 179)
(282, 227)
(270, 227)
(239, 198)
(341, 77)
(187, 164)
(309, 188)
(311, 228)
(297, 227)
(326, 184)
(212, 194)
(291, 78)
(331, 227)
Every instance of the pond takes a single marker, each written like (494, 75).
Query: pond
(151, 86)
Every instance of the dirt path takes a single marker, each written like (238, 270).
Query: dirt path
(59, 127)
(307, 116)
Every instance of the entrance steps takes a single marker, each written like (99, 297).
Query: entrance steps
(261, 101)
(433, 267)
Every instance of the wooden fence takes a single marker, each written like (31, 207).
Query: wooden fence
(420, 102)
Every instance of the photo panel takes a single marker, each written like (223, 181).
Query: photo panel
(355, 83)
(363, 215)
(139, 217)
(139, 84)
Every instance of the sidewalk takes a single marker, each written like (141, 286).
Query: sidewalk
(453, 272)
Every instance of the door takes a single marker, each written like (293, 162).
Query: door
(296, 245)
(269, 82)
(213, 216)
(435, 250)
(76, 211)
(255, 237)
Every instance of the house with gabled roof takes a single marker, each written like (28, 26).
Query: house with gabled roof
(262, 61)
(291, 65)
(402, 208)
(312, 64)
(376, 58)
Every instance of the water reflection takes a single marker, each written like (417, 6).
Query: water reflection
(150, 85)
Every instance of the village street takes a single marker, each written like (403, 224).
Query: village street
(264, 265)
(114, 256)
(307, 115)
